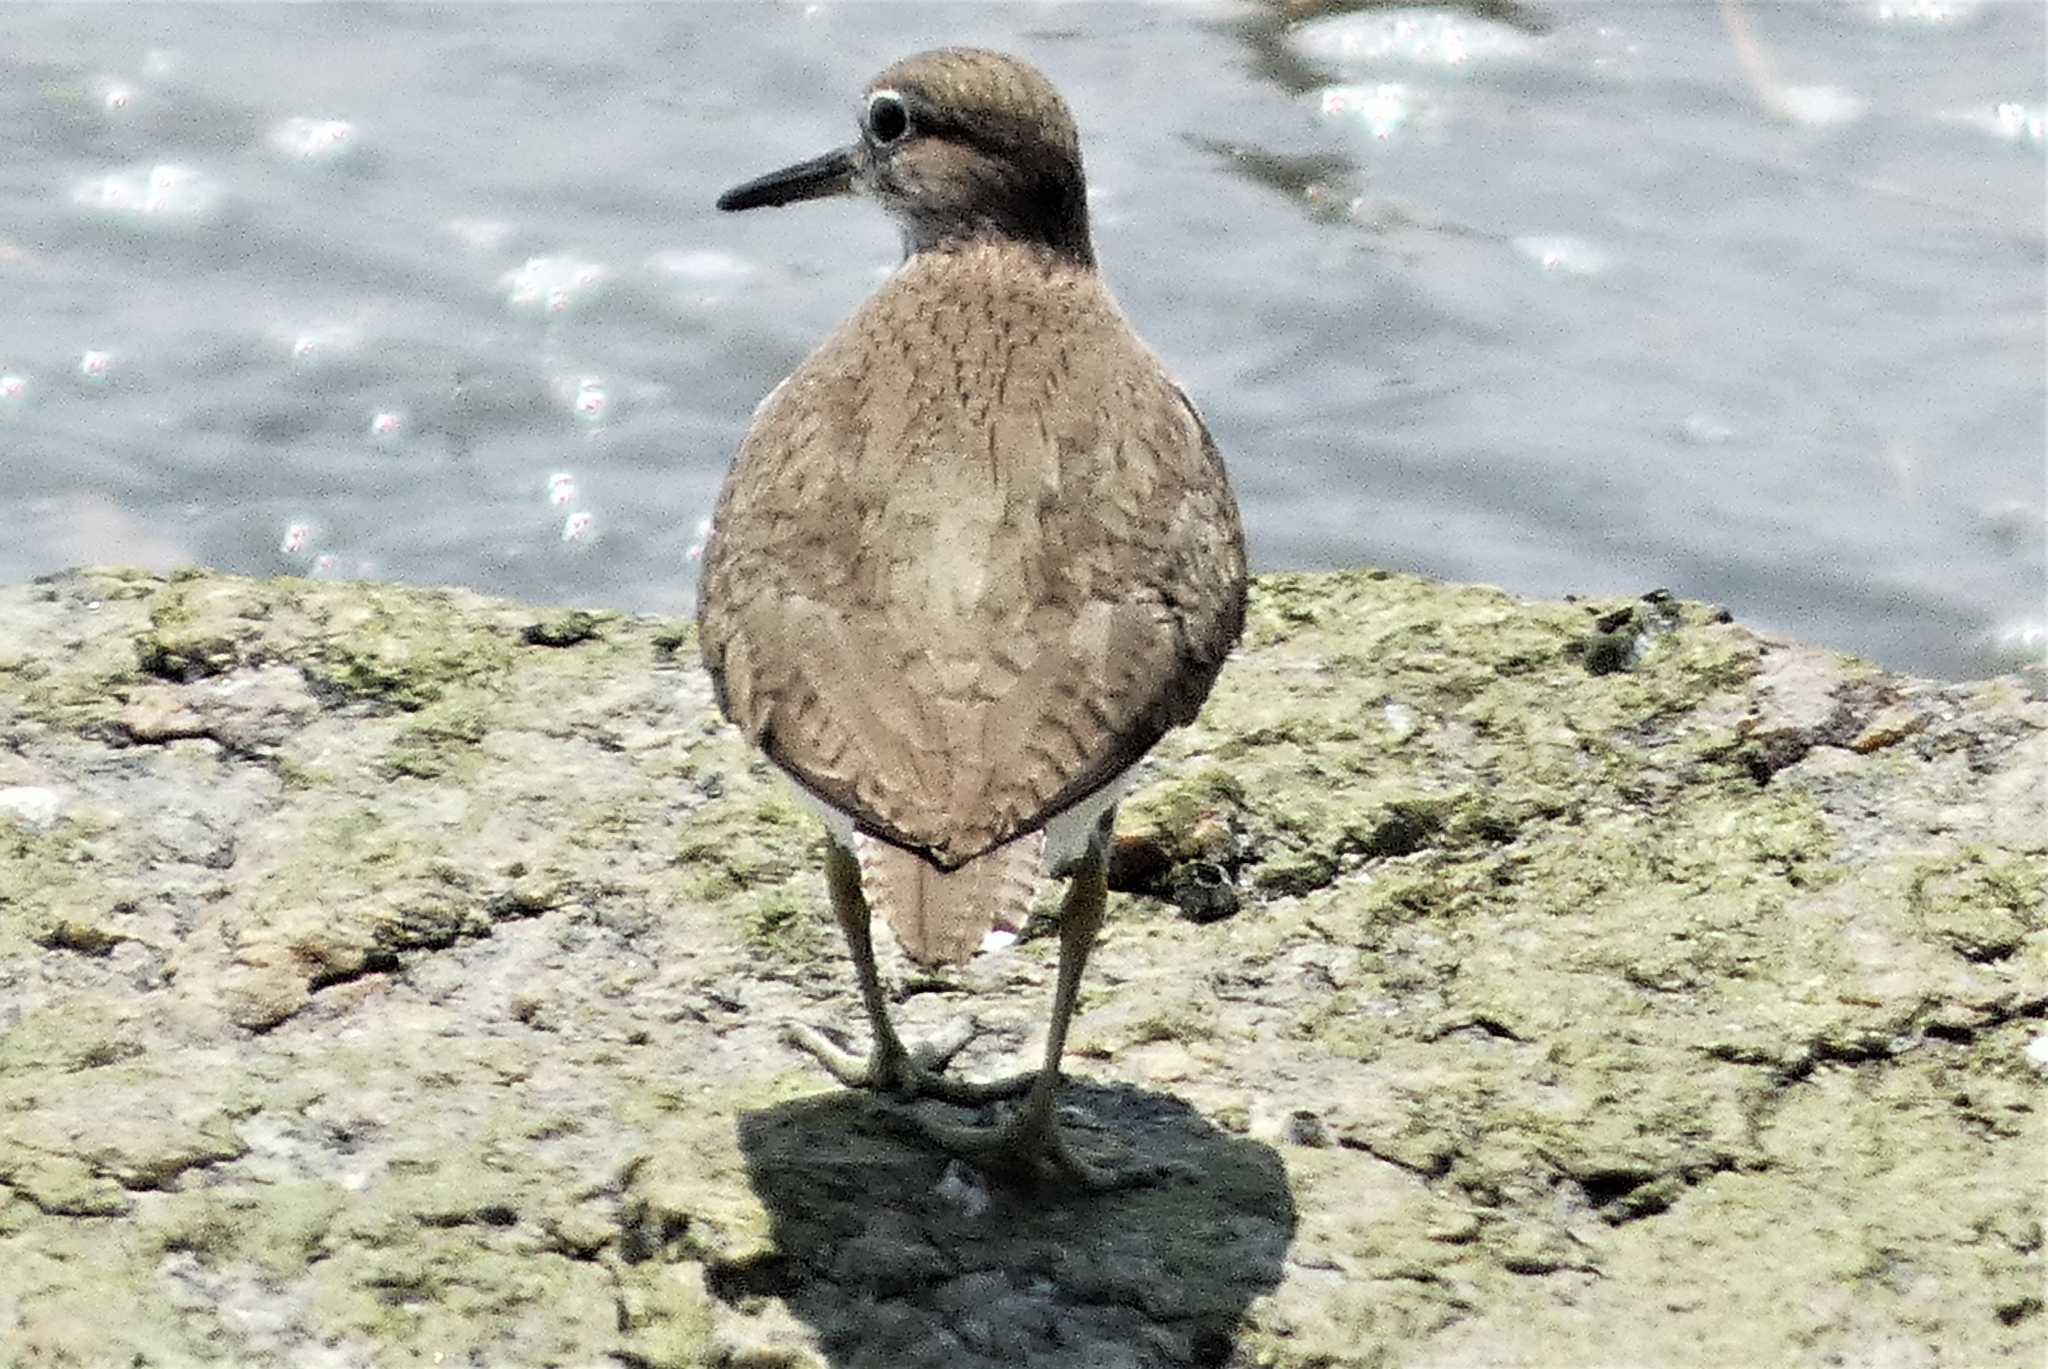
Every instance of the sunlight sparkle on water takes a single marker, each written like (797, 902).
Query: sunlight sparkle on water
(1929, 12)
(482, 234)
(700, 276)
(323, 340)
(561, 488)
(163, 191)
(702, 266)
(2010, 121)
(1423, 36)
(313, 140)
(551, 284)
(1817, 106)
(578, 527)
(2022, 641)
(1382, 108)
(1565, 255)
(297, 537)
(1705, 430)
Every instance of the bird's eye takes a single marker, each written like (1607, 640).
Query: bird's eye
(888, 117)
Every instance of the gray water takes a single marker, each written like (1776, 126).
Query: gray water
(1742, 301)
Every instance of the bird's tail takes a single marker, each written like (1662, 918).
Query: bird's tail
(941, 917)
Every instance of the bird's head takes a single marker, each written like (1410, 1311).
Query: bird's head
(958, 144)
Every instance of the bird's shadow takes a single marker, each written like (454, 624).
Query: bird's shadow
(895, 1256)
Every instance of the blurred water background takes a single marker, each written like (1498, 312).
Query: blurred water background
(1742, 300)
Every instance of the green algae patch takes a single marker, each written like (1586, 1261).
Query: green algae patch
(1981, 904)
(407, 650)
(752, 837)
(1389, 716)
(788, 925)
(442, 737)
(81, 1032)
(201, 626)
(383, 644)
(46, 878)
(279, 1229)
(65, 1186)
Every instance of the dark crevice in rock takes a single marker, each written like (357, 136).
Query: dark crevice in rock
(378, 960)
(82, 938)
(490, 1214)
(158, 1173)
(770, 1274)
(2018, 1310)
(517, 904)
(1480, 1022)
(565, 629)
(647, 1232)
(1435, 1167)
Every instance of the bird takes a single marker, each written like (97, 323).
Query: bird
(974, 557)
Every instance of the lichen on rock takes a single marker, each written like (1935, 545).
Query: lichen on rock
(389, 973)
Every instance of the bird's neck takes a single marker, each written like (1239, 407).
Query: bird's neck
(1052, 218)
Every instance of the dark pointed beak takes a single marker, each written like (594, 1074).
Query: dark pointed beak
(831, 174)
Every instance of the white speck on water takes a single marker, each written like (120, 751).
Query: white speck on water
(313, 140)
(117, 96)
(2022, 640)
(1932, 13)
(1565, 255)
(590, 400)
(482, 234)
(1383, 108)
(95, 365)
(322, 340)
(13, 392)
(551, 284)
(165, 192)
(1425, 37)
(701, 266)
(578, 527)
(1704, 430)
(2009, 121)
(31, 805)
(1817, 106)
(561, 489)
(297, 537)
(387, 425)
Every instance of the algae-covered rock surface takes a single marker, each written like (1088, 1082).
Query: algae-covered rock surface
(394, 976)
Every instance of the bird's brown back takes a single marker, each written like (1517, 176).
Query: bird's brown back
(975, 556)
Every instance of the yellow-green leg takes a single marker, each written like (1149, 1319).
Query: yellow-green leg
(1032, 1141)
(888, 1066)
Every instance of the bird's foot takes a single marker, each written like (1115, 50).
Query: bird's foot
(918, 1073)
(1030, 1149)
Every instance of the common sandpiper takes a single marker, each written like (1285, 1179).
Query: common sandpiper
(976, 555)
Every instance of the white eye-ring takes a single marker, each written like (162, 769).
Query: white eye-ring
(888, 117)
